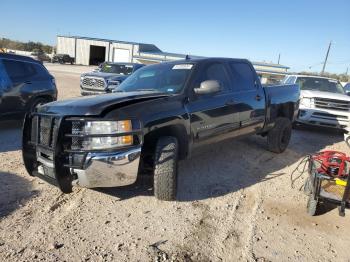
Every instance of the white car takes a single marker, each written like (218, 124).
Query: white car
(323, 101)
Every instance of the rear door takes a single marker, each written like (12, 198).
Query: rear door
(21, 75)
(213, 114)
(5, 86)
(249, 96)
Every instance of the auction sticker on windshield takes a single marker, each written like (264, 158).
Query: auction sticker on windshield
(183, 66)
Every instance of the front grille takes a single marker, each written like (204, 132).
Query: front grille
(77, 142)
(93, 83)
(331, 116)
(44, 130)
(334, 104)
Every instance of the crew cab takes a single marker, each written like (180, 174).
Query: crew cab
(323, 101)
(159, 115)
(24, 84)
(106, 78)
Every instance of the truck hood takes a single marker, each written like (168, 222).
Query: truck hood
(312, 93)
(95, 105)
(106, 76)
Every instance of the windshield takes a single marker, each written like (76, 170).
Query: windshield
(320, 84)
(163, 78)
(117, 69)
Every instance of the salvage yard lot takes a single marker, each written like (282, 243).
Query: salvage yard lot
(234, 203)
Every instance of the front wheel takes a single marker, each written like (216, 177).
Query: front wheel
(279, 136)
(165, 168)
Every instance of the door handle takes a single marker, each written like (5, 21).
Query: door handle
(230, 102)
(28, 82)
(258, 97)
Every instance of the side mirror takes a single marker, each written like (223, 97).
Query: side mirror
(208, 87)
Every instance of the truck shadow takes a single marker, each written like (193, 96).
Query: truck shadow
(15, 191)
(232, 165)
(236, 164)
(10, 135)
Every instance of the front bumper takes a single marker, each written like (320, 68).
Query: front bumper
(109, 169)
(89, 92)
(57, 162)
(326, 118)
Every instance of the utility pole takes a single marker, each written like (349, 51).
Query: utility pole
(325, 60)
(279, 57)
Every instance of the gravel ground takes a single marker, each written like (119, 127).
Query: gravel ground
(235, 203)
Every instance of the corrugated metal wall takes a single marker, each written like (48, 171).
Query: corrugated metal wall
(120, 46)
(83, 50)
(66, 45)
(70, 45)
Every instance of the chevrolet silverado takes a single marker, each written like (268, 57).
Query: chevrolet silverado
(159, 115)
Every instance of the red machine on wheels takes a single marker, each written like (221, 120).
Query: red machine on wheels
(329, 180)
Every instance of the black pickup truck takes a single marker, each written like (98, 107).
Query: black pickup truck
(159, 115)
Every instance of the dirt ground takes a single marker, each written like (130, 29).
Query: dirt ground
(235, 203)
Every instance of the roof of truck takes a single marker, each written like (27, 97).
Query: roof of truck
(206, 59)
(314, 76)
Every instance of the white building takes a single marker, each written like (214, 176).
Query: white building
(92, 51)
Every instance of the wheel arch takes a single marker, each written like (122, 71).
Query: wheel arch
(176, 130)
(286, 110)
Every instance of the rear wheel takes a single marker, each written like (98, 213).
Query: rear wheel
(165, 168)
(279, 136)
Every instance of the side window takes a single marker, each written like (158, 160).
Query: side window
(5, 81)
(40, 70)
(292, 80)
(215, 71)
(18, 71)
(242, 76)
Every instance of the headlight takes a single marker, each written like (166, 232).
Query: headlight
(307, 101)
(81, 78)
(101, 134)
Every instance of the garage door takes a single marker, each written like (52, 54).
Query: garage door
(121, 55)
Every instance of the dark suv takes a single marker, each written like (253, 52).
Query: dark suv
(24, 84)
(62, 59)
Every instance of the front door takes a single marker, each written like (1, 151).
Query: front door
(213, 114)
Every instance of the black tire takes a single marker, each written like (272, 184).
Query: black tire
(165, 168)
(37, 102)
(279, 136)
(312, 205)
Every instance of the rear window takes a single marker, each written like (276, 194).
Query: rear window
(19, 71)
(320, 84)
(242, 76)
(119, 69)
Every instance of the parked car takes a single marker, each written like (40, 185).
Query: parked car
(24, 84)
(159, 115)
(323, 101)
(62, 59)
(347, 88)
(106, 78)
